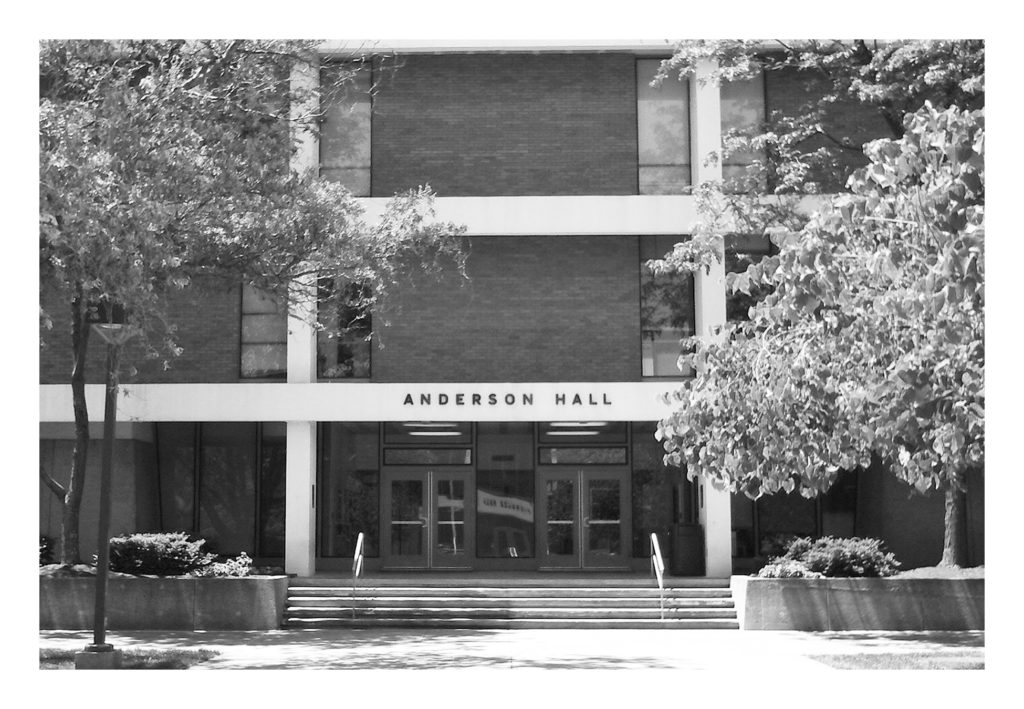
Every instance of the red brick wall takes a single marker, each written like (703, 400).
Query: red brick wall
(208, 322)
(507, 124)
(535, 309)
(788, 91)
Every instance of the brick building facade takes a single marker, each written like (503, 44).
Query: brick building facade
(498, 422)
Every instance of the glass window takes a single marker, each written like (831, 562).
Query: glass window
(426, 433)
(666, 311)
(345, 127)
(343, 340)
(781, 517)
(264, 335)
(176, 462)
(272, 489)
(839, 506)
(654, 487)
(505, 491)
(349, 488)
(585, 432)
(582, 456)
(663, 131)
(428, 456)
(743, 111)
(227, 486)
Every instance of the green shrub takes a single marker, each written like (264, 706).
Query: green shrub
(239, 566)
(158, 553)
(787, 569)
(45, 550)
(842, 557)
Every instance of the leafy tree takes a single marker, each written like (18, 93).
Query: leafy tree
(869, 338)
(165, 165)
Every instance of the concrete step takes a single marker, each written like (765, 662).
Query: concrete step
(503, 602)
(515, 623)
(504, 580)
(526, 612)
(555, 601)
(517, 592)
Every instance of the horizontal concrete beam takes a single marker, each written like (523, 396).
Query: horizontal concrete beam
(340, 48)
(561, 215)
(361, 401)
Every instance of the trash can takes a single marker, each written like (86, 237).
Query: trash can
(687, 550)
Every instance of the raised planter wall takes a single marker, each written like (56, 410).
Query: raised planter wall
(255, 603)
(859, 604)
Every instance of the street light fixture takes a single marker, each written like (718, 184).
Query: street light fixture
(109, 324)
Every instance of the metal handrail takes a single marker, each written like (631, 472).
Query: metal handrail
(658, 567)
(357, 569)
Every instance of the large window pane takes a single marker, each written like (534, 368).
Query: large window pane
(582, 456)
(663, 131)
(345, 128)
(350, 488)
(176, 460)
(654, 487)
(666, 311)
(428, 456)
(586, 432)
(743, 111)
(427, 433)
(505, 490)
(781, 517)
(272, 490)
(227, 492)
(264, 343)
(450, 532)
(343, 340)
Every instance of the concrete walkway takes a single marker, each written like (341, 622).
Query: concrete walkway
(538, 649)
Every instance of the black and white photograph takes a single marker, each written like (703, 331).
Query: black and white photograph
(512, 354)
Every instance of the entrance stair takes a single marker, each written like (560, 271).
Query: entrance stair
(537, 601)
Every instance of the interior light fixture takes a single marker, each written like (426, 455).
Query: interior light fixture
(434, 433)
(577, 424)
(429, 424)
(573, 433)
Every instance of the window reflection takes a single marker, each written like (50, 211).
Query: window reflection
(666, 311)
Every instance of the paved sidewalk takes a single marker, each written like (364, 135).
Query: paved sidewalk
(513, 649)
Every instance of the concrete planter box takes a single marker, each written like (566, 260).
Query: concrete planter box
(859, 604)
(147, 603)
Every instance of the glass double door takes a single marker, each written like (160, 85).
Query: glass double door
(428, 518)
(585, 517)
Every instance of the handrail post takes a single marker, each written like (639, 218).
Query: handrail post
(357, 569)
(658, 567)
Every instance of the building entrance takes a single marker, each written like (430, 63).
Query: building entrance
(584, 517)
(428, 518)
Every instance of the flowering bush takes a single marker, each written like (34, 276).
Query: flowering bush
(239, 566)
(787, 569)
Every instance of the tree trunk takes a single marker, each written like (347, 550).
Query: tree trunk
(954, 538)
(69, 547)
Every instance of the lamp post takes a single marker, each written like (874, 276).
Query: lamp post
(111, 328)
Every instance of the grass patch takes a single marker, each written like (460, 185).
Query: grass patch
(904, 661)
(135, 659)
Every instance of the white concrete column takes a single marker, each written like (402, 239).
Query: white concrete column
(715, 513)
(300, 461)
(305, 80)
(300, 499)
(705, 125)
